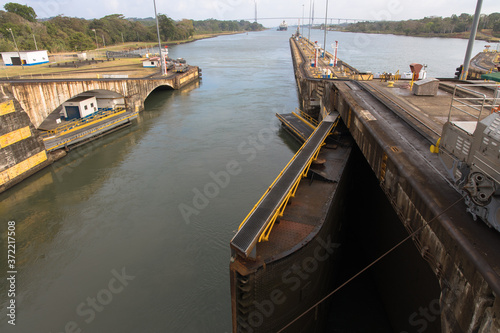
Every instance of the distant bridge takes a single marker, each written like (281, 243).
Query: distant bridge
(306, 19)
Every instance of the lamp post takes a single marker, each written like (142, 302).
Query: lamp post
(310, 15)
(15, 44)
(255, 11)
(473, 32)
(96, 44)
(162, 61)
(326, 21)
(34, 39)
(302, 32)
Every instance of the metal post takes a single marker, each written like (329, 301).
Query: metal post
(302, 32)
(326, 21)
(103, 41)
(96, 43)
(473, 32)
(15, 44)
(162, 62)
(255, 11)
(34, 39)
(310, 15)
(312, 18)
(336, 49)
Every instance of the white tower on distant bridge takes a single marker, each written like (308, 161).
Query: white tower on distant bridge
(255, 11)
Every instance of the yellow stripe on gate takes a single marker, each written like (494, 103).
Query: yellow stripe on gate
(22, 167)
(7, 107)
(14, 136)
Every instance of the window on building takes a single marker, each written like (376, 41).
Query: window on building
(86, 107)
(91, 105)
(152, 63)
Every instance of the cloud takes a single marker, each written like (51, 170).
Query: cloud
(244, 9)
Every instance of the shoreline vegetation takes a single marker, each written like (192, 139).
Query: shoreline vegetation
(70, 34)
(481, 35)
(154, 44)
(455, 26)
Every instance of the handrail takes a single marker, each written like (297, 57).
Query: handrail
(62, 142)
(478, 103)
(74, 123)
(310, 119)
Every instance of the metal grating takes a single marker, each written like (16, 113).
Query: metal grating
(297, 126)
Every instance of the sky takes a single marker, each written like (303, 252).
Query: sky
(266, 9)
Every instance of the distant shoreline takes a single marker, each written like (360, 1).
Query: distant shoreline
(462, 35)
(133, 45)
(203, 36)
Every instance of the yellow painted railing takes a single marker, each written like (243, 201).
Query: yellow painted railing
(280, 211)
(75, 123)
(307, 119)
(91, 130)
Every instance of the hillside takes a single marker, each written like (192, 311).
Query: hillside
(66, 34)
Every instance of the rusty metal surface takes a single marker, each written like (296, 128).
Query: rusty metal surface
(334, 161)
(286, 235)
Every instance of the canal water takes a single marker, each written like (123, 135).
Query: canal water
(131, 233)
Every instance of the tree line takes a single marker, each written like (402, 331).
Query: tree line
(63, 34)
(455, 24)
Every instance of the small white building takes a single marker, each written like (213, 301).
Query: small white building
(79, 107)
(105, 98)
(151, 62)
(28, 58)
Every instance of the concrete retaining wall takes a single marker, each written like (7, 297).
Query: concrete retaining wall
(22, 152)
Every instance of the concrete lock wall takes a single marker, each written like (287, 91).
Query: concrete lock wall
(22, 152)
(40, 98)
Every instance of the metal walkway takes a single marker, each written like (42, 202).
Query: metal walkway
(259, 222)
(84, 132)
(296, 125)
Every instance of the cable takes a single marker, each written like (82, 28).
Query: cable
(370, 265)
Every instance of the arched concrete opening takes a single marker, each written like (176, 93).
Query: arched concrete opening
(97, 100)
(162, 87)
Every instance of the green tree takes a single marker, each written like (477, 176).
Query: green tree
(493, 20)
(167, 27)
(80, 42)
(25, 12)
(185, 29)
(496, 27)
